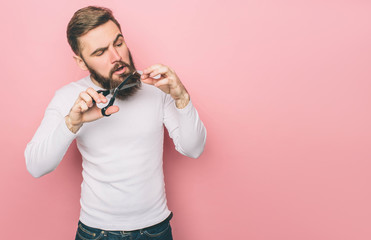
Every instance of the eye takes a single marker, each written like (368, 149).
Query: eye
(100, 53)
(119, 45)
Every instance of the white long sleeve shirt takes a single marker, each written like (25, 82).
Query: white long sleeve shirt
(123, 183)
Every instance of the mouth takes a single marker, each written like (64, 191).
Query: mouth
(120, 70)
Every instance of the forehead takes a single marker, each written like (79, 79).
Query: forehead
(99, 37)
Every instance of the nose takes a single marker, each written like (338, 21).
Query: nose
(114, 55)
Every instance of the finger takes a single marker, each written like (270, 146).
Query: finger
(83, 106)
(102, 98)
(84, 96)
(162, 82)
(162, 71)
(149, 81)
(80, 104)
(152, 68)
(94, 95)
(112, 110)
(155, 71)
(146, 76)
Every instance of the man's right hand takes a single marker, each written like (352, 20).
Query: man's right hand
(85, 110)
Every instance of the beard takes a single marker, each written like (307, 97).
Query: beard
(109, 83)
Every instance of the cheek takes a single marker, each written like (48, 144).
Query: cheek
(124, 52)
(101, 66)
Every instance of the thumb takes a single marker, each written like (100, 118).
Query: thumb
(112, 110)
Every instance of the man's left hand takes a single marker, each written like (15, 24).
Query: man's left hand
(168, 82)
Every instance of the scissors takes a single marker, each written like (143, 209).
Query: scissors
(114, 92)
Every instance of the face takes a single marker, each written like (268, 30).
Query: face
(105, 54)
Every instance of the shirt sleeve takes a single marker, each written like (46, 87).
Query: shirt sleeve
(50, 142)
(185, 128)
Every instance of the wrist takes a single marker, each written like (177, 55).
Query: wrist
(182, 101)
(73, 127)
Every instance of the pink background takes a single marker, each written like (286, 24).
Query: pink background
(283, 88)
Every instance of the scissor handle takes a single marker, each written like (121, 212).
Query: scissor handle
(104, 92)
(122, 86)
(103, 110)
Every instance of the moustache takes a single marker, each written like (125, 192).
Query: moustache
(117, 66)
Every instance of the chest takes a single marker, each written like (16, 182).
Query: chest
(138, 120)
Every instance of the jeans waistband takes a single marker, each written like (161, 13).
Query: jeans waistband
(134, 231)
(166, 220)
(156, 225)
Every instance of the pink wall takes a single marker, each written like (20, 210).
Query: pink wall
(283, 88)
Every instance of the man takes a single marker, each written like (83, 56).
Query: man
(122, 194)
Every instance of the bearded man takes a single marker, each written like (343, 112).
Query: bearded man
(123, 191)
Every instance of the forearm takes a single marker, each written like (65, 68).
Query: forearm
(190, 136)
(48, 146)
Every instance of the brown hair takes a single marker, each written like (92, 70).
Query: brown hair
(84, 20)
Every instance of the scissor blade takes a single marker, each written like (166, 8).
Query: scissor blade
(125, 81)
(129, 85)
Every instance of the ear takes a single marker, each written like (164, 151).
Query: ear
(80, 62)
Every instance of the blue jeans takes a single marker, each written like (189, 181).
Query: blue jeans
(161, 231)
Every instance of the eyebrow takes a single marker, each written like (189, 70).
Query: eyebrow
(105, 48)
